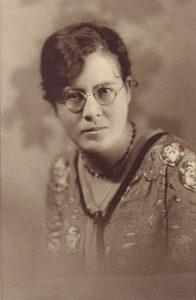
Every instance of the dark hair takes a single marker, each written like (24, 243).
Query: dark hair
(63, 55)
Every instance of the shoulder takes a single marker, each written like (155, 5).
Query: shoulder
(173, 153)
(171, 149)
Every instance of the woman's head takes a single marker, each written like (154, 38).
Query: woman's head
(86, 77)
(63, 55)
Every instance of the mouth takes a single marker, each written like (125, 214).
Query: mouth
(93, 129)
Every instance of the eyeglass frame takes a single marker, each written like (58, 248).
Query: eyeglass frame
(132, 82)
(116, 93)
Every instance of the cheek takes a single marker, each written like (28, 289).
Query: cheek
(70, 128)
(121, 110)
(64, 120)
(68, 121)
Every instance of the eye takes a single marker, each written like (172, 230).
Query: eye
(73, 96)
(104, 91)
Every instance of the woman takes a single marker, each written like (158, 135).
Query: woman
(124, 200)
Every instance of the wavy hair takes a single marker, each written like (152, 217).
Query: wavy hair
(63, 55)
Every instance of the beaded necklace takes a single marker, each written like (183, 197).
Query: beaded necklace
(116, 169)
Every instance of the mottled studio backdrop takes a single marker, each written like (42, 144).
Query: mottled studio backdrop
(161, 38)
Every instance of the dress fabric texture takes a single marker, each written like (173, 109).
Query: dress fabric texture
(150, 223)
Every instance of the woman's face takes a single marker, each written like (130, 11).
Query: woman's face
(97, 128)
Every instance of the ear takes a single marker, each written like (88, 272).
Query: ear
(128, 87)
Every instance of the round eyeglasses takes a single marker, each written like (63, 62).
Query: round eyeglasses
(75, 100)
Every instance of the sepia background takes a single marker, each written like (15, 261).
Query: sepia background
(161, 37)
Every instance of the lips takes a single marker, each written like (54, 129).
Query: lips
(93, 129)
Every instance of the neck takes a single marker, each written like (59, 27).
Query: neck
(105, 162)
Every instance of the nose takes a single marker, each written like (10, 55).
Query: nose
(91, 109)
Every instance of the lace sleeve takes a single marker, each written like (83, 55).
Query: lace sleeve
(56, 196)
(182, 213)
(180, 204)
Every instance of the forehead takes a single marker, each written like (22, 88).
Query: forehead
(99, 67)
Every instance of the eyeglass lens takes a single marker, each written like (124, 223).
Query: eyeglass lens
(75, 100)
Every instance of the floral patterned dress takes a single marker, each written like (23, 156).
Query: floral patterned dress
(150, 223)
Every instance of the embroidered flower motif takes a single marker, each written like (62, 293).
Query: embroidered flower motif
(59, 176)
(129, 245)
(135, 180)
(72, 239)
(130, 234)
(187, 175)
(54, 223)
(176, 198)
(126, 192)
(170, 184)
(176, 226)
(123, 201)
(172, 154)
(150, 220)
(162, 172)
(159, 202)
(150, 176)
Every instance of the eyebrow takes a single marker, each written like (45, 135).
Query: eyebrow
(105, 83)
(68, 88)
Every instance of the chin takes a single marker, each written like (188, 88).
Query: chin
(91, 147)
(92, 150)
